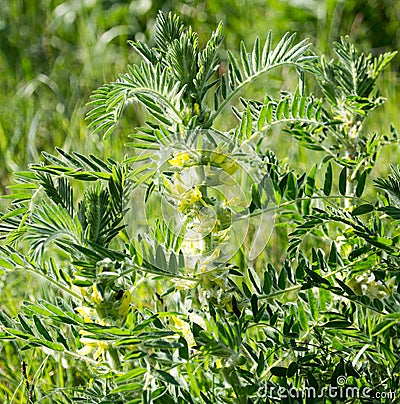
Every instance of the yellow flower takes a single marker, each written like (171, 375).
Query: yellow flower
(87, 313)
(230, 166)
(196, 109)
(96, 296)
(199, 320)
(189, 198)
(192, 246)
(174, 187)
(221, 158)
(114, 309)
(90, 344)
(217, 158)
(194, 195)
(179, 159)
(124, 303)
(184, 328)
(366, 284)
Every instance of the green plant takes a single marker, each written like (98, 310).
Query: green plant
(167, 287)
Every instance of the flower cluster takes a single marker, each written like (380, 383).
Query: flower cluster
(105, 303)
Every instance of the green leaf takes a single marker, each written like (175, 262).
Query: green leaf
(166, 377)
(302, 316)
(310, 181)
(249, 123)
(333, 256)
(62, 340)
(388, 352)
(312, 380)
(127, 387)
(312, 301)
(41, 329)
(328, 179)
(291, 187)
(128, 341)
(345, 288)
(380, 242)
(253, 280)
(343, 181)
(205, 398)
(269, 113)
(391, 211)
(245, 59)
(25, 325)
(382, 327)
(131, 374)
(363, 209)
(29, 308)
(48, 344)
(378, 304)
(54, 309)
(183, 349)
(235, 67)
(340, 324)
(246, 290)
(279, 114)
(279, 371)
(6, 264)
(282, 280)
(13, 213)
(267, 284)
(292, 369)
(254, 304)
(361, 184)
(173, 263)
(17, 259)
(17, 197)
(262, 118)
(82, 283)
(161, 261)
(161, 344)
(260, 364)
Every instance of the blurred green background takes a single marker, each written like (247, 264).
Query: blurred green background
(54, 53)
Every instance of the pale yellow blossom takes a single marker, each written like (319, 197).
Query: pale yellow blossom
(185, 284)
(96, 296)
(179, 159)
(184, 327)
(92, 346)
(199, 320)
(86, 312)
(189, 198)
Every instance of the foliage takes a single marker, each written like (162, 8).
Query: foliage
(190, 305)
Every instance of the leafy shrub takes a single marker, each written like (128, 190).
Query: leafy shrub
(167, 286)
